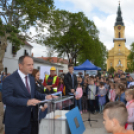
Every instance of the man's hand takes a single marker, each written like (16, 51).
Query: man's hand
(77, 98)
(44, 108)
(32, 102)
(47, 86)
(48, 97)
(72, 90)
(49, 89)
(55, 97)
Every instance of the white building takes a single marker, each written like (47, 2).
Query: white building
(10, 60)
(58, 61)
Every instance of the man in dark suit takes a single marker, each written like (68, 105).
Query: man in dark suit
(18, 93)
(70, 81)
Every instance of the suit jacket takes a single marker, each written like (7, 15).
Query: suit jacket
(15, 96)
(68, 82)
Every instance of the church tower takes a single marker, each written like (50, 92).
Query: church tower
(117, 56)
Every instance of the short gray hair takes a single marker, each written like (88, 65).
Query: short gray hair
(21, 59)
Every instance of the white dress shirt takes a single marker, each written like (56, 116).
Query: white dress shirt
(22, 76)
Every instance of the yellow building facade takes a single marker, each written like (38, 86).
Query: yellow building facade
(117, 56)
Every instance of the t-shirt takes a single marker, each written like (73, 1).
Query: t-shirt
(91, 92)
(79, 92)
(112, 94)
(102, 91)
(121, 98)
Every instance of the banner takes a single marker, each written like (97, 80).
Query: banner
(91, 72)
(44, 70)
(79, 72)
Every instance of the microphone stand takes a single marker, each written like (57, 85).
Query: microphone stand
(89, 120)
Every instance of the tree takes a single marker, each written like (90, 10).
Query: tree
(71, 35)
(131, 58)
(94, 51)
(16, 17)
(111, 70)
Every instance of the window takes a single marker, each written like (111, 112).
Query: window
(38, 68)
(13, 50)
(25, 52)
(119, 35)
(6, 70)
(110, 64)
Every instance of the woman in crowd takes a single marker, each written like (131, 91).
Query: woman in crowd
(35, 117)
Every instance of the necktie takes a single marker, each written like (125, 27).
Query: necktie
(27, 86)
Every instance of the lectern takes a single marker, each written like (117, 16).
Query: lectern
(52, 120)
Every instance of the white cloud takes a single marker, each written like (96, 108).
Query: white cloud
(106, 29)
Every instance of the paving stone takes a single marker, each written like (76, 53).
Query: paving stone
(97, 127)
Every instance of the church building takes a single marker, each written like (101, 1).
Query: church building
(117, 56)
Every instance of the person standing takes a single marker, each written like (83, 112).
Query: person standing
(70, 81)
(51, 82)
(78, 94)
(36, 117)
(19, 95)
(92, 95)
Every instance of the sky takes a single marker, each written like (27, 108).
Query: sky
(103, 13)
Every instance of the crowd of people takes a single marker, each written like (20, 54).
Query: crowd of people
(103, 93)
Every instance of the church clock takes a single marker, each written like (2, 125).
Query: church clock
(119, 27)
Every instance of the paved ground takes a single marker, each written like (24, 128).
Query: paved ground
(97, 127)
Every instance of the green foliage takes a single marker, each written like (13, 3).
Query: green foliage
(18, 16)
(94, 51)
(111, 70)
(74, 35)
(131, 55)
(131, 59)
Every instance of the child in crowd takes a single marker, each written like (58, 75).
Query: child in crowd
(95, 80)
(102, 96)
(115, 117)
(112, 93)
(123, 81)
(120, 92)
(116, 78)
(103, 79)
(84, 97)
(60, 85)
(78, 94)
(130, 108)
(97, 99)
(91, 95)
(107, 84)
(107, 88)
